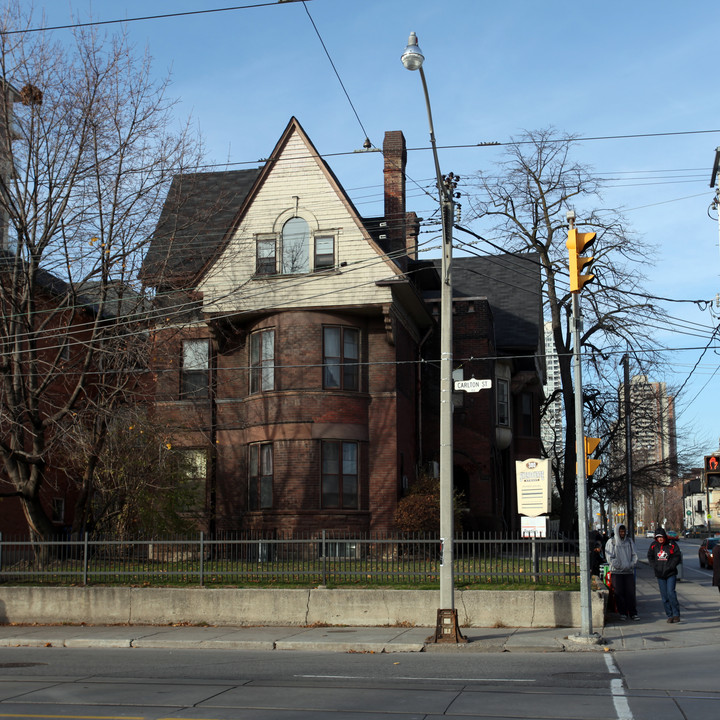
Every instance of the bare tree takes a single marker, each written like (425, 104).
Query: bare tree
(88, 146)
(657, 459)
(142, 485)
(523, 203)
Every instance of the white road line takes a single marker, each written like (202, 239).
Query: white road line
(622, 708)
(448, 679)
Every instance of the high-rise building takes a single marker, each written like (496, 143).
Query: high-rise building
(654, 449)
(552, 428)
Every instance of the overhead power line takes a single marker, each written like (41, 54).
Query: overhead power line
(118, 21)
(337, 74)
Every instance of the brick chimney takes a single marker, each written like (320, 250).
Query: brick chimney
(395, 153)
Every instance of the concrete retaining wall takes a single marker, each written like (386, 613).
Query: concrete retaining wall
(244, 607)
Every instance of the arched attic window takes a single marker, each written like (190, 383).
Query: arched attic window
(295, 246)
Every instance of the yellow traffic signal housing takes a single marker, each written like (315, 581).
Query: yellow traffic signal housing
(591, 464)
(576, 244)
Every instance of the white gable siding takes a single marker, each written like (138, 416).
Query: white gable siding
(297, 181)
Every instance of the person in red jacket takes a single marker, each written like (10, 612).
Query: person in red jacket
(664, 557)
(716, 566)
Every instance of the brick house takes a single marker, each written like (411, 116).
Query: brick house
(59, 335)
(295, 349)
(497, 335)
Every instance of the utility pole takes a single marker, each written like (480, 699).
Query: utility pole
(713, 178)
(630, 518)
(447, 628)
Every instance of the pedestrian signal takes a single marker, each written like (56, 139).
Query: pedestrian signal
(712, 470)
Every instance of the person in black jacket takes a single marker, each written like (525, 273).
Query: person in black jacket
(664, 557)
(716, 566)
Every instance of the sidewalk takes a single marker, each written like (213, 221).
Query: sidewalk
(699, 602)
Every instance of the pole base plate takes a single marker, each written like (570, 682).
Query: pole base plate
(447, 629)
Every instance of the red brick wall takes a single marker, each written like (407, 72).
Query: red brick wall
(296, 416)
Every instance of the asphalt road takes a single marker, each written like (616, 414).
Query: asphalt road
(206, 684)
(668, 683)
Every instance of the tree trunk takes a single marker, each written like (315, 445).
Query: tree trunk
(41, 529)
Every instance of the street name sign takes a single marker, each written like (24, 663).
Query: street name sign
(473, 385)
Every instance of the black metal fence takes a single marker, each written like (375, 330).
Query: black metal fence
(325, 558)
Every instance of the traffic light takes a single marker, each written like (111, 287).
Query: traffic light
(577, 243)
(712, 470)
(591, 464)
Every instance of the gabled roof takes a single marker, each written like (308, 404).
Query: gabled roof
(199, 209)
(512, 286)
(203, 210)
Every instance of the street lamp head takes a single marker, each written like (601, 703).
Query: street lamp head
(412, 58)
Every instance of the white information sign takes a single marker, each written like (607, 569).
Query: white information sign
(532, 477)
(533, 526)
(473, 385)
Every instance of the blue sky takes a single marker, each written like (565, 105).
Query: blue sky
(493, 69)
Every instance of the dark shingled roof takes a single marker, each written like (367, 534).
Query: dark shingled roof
(200, 208)
(512, 285)
(120, 300)
(44, 279)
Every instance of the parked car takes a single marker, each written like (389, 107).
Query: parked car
(649, 534)
(673, 534)
(696, 531)
(705, 551)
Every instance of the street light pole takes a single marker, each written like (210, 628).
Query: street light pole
(586, 634)
(447, 627)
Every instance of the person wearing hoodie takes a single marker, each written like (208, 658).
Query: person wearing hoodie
(664, 557)
(622, 558)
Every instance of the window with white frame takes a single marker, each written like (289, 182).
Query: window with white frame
(339, 484)
(262, 361)
(324, 252)
(341, 358)
(260, 476)
(295, 246)
(195, 471)
(503, 402)
(289, 252)
(195, 374)
(266, 255)
(338, 549)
